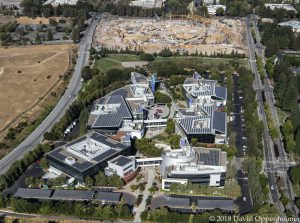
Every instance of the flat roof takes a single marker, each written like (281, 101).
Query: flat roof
(216, 204)
(216, 121)
(120, 160)
(204, 87)
(28, 193)
(176, 202)
(108, 196)
(80, 162)
(79, 195)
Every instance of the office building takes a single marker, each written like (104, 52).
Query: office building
(85, 156)
(189, 165)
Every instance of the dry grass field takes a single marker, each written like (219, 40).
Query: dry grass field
(6, 19)
(24, 20)
(26, 74)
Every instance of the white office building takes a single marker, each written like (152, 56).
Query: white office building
(121, 165)
(194, 165)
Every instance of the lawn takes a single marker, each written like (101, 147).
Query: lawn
(204, 60)
(124, 57)
(113, 61)
(107, 64)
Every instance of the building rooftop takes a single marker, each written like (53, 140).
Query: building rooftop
(137, 78)
(176, 202)
(87, 151)
(204, 87)
(110, 197)
(28, 193)
(216, 204)
(212, 157)
(79, 195)
(121, 160)
(287, 7)
(110, 111)
(216, 122)
(293, 23)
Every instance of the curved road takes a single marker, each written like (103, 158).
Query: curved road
(70, 95)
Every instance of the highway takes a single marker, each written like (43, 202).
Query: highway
(283, 157)
(267, 141)
(69, 96)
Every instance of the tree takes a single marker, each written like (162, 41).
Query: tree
(220, 11)
(49, 35)
(161, 98)
(89, 182)
(146, 57)
(101, 179)
(146, 147)
(86, 73)
(170, 126)
(75, 34)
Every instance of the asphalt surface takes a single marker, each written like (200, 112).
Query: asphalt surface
(283, 157)
(267, 141)
(70, 95)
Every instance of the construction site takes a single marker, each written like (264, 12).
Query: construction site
(183, 33)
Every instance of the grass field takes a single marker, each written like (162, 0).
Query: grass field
(26, 74)
(113, 61)
(203, 60)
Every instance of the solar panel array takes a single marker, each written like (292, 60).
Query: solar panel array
(111, 197)
(28, 193)
(114, 119)
(212, 157)
(187, 123)
(72, 195)
(68, 195)
(206, 203)
(221, 92)
(176, 202)
(121, 160)
(108, 141)
(218, 122)
(214, 204)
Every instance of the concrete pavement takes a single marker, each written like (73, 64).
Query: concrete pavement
(146, 193)
(70, 95)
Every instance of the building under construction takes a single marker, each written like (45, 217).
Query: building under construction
(183, 33)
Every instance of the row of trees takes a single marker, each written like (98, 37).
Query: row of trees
(254, 127)
(165, 215)
(78, 209)
(18, 167)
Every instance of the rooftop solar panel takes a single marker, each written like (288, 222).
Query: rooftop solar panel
(114, 119)
(79, 195)
(214, 204)
(28, 193)
(108, 196)
(176, 202)
(105, 155)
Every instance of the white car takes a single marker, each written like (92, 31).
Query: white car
(272, 187)
(244, 199)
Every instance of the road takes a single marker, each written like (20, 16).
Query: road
(70, 95)
(267, 141)
(283, 157)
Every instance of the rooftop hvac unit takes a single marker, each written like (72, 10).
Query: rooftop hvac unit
(70, 160)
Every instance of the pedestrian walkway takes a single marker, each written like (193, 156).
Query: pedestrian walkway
(142, 206)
